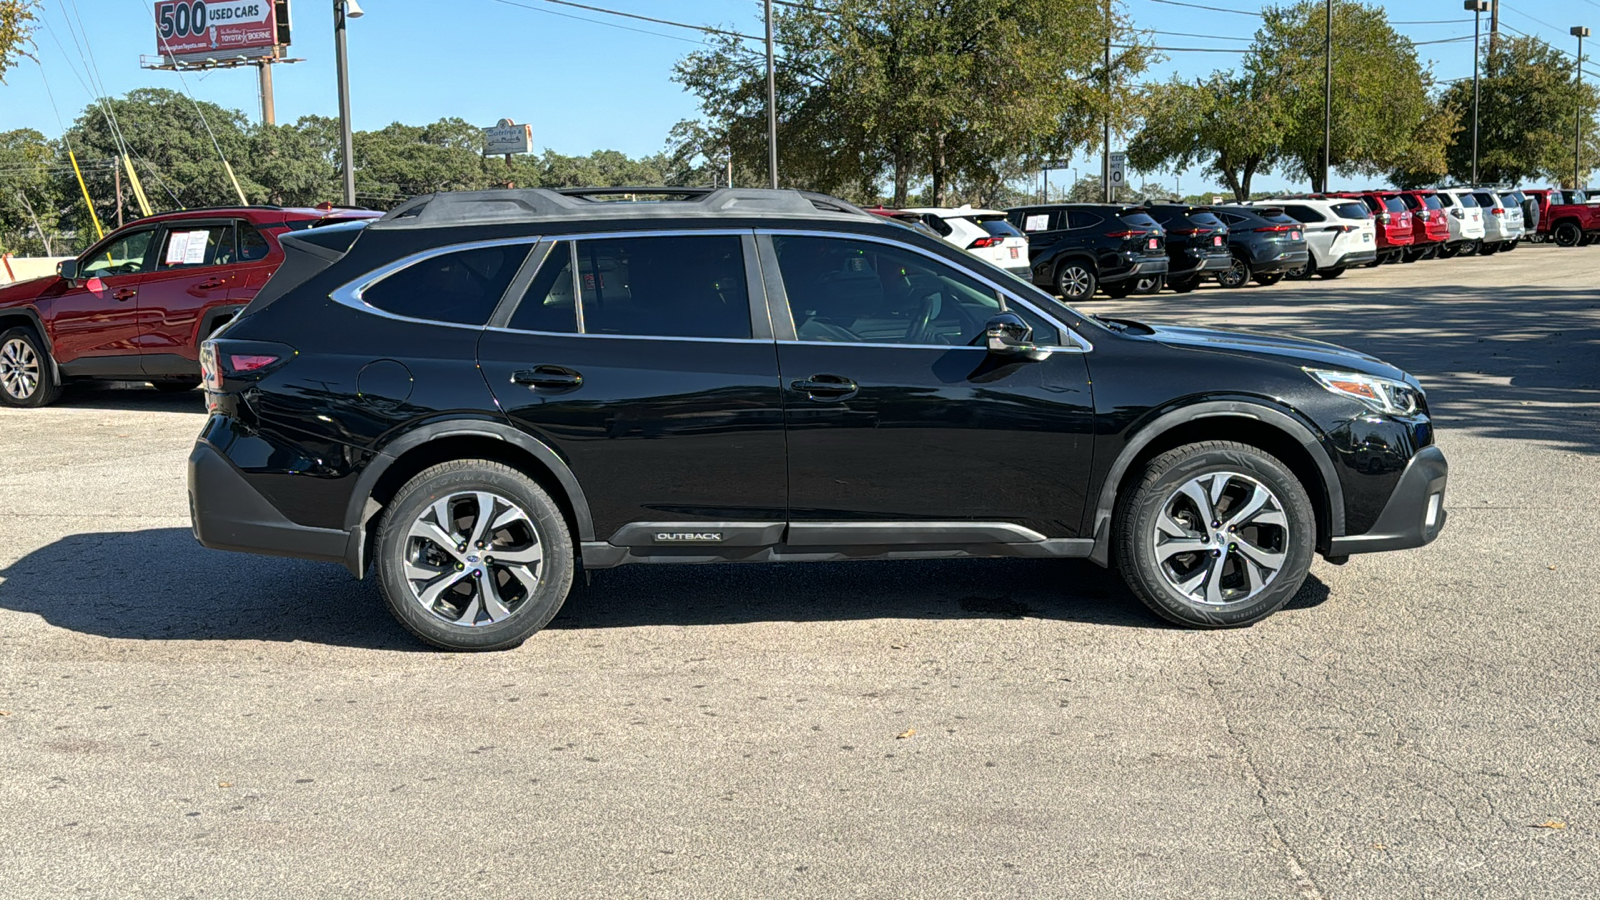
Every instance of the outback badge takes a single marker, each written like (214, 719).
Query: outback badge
(688, 537)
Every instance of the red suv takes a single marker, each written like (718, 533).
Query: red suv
(136, 305)
(1430, 229)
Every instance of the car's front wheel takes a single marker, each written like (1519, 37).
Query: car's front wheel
(1183, 285)
(473, 555)
(27, 377)
(1331, 273)
(1269, 280)
(1215, 535)
(1236, 275)
(1075, 280)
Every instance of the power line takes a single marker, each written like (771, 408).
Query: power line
(1215, 37)
(651, 19)
(1526, 16)
(1182, 49)
(1238, 12)
(551, 12)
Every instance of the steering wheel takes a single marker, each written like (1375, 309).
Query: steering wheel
(921, 330)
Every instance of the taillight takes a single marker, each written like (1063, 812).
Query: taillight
(222, 360)
(240, 363)
(1188, 232)
(983, 242)
(1278, 228)
(1383, 218)
(209, 374)
(1498, 211)
(1124, 234)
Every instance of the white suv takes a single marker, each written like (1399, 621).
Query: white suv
(984, 233)
(1466, 222)
(1502, 221)
(1339, 233)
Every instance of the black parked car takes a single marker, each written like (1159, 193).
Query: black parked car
(1076, 247)
(1266, 243)
(1197, 243)
(481, 392)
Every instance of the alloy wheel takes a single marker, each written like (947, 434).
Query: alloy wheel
(1075, 282)
(473, 558)
(19, 369)
(1221, 538)
(1235, 275)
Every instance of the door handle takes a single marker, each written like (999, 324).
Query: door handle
(211, 283)
(547, 377)
(125, 294)
(825, 385)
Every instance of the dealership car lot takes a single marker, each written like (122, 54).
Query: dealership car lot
(1414, 723)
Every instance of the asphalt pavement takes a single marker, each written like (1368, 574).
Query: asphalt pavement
(180, 722)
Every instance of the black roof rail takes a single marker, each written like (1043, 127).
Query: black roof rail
(516, 205)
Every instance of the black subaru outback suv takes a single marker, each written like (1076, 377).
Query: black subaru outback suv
(481, 392)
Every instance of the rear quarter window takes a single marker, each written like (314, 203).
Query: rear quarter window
(1304, 214)
(1394, 204)
(461, 287)
(1352, 210)
(999, 228)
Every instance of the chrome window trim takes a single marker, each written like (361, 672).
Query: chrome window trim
(631, 337)
(349, 294)
(1082, 344)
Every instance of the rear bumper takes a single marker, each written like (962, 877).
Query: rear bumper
(1282, 262)
(1355, 258)
(1414, 514)
(228, 514)
(1140, 268)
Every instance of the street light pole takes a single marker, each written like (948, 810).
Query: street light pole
(1105, 150)
(1327, 99)
(347, 152)
(1477, 8)
(1579, 32)
(772, 105)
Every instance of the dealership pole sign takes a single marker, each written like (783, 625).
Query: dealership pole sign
(507, 138)
(213, 29)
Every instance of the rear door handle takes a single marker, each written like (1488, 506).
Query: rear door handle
(547, 377)
(825, 385)
(125, 294)
(211, 283)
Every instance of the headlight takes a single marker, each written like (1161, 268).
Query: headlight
(1380, 394)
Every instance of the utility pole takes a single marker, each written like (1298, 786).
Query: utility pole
(269, 115)
(1579, 32)
(772, 106)
(1105, 149)
(1327, 98)
(116, 176)
(1494, 24)
(1478, 8)
(347, 150)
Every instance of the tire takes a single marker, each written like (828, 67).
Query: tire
(1450, 251)
(1269, 280)
(176, 386)
(1411, 256)
(1183, 285)
(1117, 291)
(1147, 286)
(511, 610)
(1470, 248)
(1331, 273)
(1488, 249)
(1075, 280)
(1303, 272)
(1236, 585)
(1236, 275)
(27, 374)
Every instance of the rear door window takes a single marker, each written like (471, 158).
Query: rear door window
(1080, 218)
(1304, 214)
(690, 286)
(461, 287)
(550, 303)
(196, 247)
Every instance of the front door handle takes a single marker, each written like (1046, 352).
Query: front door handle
(125, 294)
(211, 283)
(825, 386)
(547, 377)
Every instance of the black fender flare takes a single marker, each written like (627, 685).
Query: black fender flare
(357, 515)
(1105, 506)
(1076, 253)
(32, 315)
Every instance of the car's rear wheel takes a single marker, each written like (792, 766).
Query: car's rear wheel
(27, 376)
(1183, 285)
(1215, 535)
(1302, 272)
(1075, 280)
(1269, 280)
(1450, 251)
(1152, 285)
(473, 555)
(1117, 291)
(1236, 275)
(1331, 273)
(1488, 249)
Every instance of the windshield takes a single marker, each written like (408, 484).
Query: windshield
(1352, 210)
(1431, 201)
(999, 228)
(1201, 217)
(1467, 201)
(1140, 220)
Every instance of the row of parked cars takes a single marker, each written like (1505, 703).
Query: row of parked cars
(1076, 249)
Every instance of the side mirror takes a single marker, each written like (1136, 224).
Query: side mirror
(1008, 334)
(68, 269)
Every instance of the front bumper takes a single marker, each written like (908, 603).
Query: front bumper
(228, 514)
(1414, 514)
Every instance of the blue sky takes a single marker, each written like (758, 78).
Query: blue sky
(581, 84)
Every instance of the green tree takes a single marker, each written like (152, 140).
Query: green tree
(16, 29)
(1527, 107)
(1230, 126)
(28, 202)
(946, 91)
(1381, 110)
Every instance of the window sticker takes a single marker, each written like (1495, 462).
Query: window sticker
(177, 245)
(187, 248)
(1037, 223)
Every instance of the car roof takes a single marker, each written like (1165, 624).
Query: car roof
(622, 204)
(948, 212)
(260, 215)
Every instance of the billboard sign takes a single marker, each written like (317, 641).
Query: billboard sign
(203, 29)
(507, 138)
